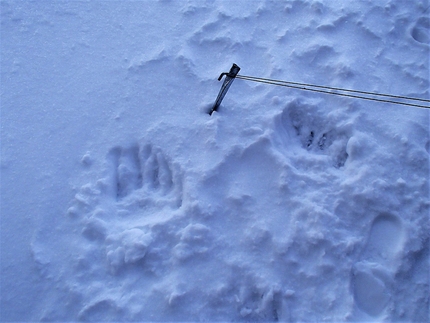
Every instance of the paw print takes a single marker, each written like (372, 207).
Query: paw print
(316, 133)
(143, 173)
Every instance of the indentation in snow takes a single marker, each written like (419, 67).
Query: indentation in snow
(373, 275)
(144, 171)
(421, 31)
(318, 133)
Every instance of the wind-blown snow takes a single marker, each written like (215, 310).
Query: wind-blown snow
(123, 200)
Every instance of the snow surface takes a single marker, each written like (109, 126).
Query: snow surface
(123, 200)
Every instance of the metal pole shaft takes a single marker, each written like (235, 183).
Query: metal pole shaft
(229, 78)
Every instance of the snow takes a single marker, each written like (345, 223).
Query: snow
(123, 200)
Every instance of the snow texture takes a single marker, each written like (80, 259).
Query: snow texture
(123, 200)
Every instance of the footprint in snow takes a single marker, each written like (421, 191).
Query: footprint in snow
(373, 273)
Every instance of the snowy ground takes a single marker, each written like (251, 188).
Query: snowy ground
(123, 200)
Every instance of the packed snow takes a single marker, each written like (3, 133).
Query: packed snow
(123, 200)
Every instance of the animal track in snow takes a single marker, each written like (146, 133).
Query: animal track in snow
(142, 170)
(126, 228)
(378, 262)
(138, 177)
(316, 135)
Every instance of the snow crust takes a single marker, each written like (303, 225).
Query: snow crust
(123, 200)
